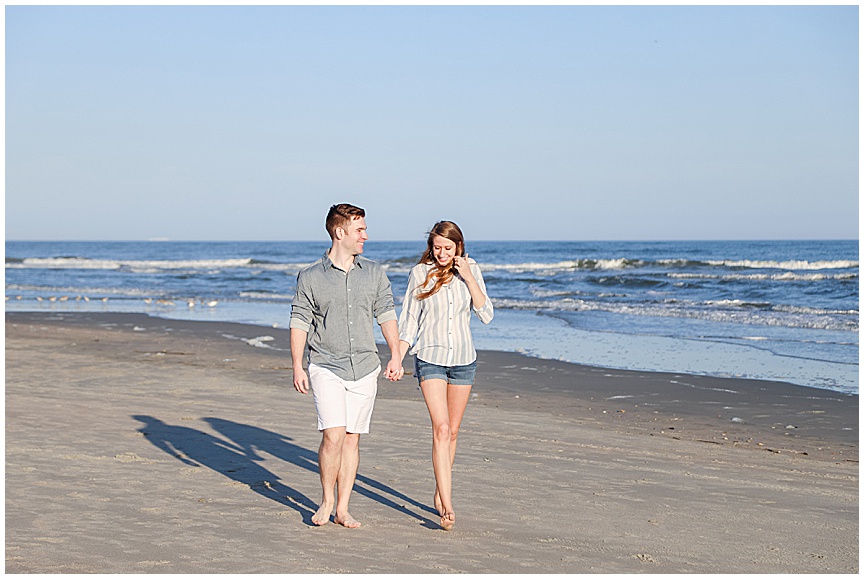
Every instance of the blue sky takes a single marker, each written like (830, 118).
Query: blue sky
(557, 122)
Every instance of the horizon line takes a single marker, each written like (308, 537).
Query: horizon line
(422, 240)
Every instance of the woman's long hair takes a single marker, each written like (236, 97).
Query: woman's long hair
(441, 275)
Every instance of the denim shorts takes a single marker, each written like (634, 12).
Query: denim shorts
(460, 375)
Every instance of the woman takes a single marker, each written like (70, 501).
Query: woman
(443, 289)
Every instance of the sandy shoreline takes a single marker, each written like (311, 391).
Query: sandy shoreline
(137, 444)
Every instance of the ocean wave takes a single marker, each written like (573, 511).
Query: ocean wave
(623, 263)
(150, 266)
(132, 293)
(814, 311)
(536, 268)
(722, 311)
(780, 308)
(265, 295)
(80, 292)
(404, 264)
(551, 293)
(786, 276)
(76, 293)
(112, 264)
(630, 263)
(793, 264)
(588, 264)
(738, 304)
(630, 281)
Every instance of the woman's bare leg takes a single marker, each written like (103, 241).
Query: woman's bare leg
(446, 404)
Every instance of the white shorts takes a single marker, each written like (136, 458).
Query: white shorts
(343, 402)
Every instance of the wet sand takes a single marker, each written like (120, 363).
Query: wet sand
(138, 444)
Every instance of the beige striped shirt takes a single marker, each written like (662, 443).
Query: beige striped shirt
(438, 328)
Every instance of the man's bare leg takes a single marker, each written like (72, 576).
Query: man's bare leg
(329, 465)
(345, 480)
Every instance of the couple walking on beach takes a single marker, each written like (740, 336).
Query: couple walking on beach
(333, 309)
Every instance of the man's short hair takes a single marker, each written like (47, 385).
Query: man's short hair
(342, 215)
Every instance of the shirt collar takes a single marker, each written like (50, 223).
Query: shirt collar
(327, 263)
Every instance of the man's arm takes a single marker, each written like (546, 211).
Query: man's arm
(394, 371)
(301, 319)
(298, 344)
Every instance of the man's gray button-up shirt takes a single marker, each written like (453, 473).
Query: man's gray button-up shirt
(336, 308)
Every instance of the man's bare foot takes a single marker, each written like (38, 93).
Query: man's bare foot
(322, 516)
(448, 520)
(346, 521)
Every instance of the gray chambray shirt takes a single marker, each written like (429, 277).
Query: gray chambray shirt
(336, 309)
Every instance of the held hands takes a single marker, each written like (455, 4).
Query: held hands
(393, 373)
(394, 370)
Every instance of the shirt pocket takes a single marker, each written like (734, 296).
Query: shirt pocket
(461, 298)
(362, 297)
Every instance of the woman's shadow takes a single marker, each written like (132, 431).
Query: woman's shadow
(237, 457)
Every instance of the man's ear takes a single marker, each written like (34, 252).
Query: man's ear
(339, 233)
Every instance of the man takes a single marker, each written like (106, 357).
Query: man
(336, 299)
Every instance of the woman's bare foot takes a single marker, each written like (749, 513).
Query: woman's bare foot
(448, 520)
(322, 516)
(346, 521)
(438, 505)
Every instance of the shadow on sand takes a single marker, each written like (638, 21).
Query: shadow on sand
(237, 457)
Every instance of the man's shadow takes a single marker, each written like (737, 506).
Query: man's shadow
(196, 448)
(238, 458)
(254, 439)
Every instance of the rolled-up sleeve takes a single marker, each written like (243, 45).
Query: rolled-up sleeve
(383, 308)
(301, 306)
(487, 312)
(409, 325)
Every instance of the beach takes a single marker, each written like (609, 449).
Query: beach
(136, 444)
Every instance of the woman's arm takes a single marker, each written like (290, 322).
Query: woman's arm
(476, 287)
(478, 296)
(409, 324)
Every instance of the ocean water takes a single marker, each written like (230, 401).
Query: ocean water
(775, 310)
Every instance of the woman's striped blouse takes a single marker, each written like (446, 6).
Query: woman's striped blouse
(438, 327)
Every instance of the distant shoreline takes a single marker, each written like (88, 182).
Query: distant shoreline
(782, 311)
(421, 241)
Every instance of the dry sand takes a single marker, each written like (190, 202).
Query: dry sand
(142, 445)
